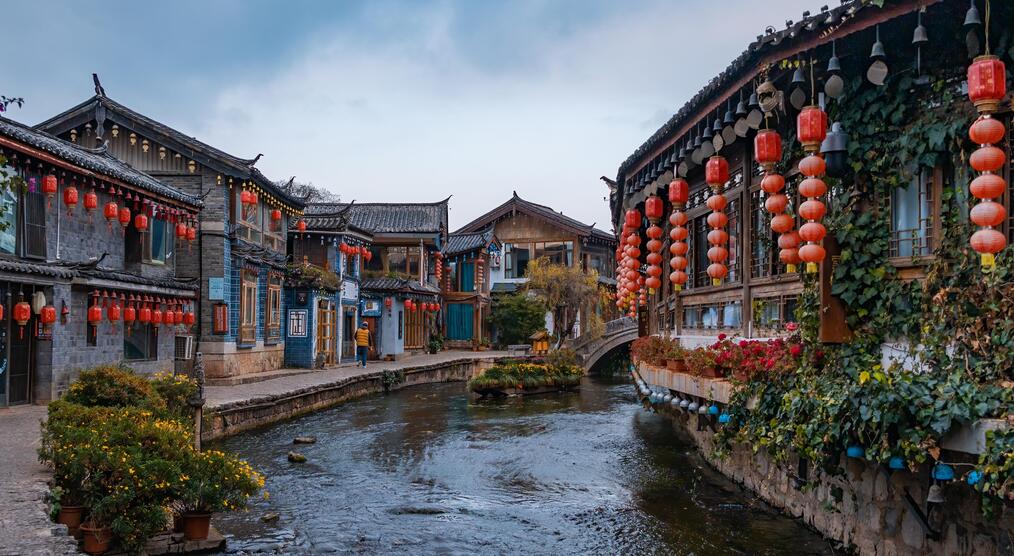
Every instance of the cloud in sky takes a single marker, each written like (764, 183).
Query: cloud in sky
(399, 100)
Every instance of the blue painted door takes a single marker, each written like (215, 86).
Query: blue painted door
(468, 277)
(459, 321)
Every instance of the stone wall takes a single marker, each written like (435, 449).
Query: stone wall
(232, 418)
(866, 506)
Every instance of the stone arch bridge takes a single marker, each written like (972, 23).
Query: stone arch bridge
(618, 332)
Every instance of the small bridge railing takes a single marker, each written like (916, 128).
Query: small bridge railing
(613, 327)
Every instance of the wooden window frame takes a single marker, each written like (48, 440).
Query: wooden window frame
(271, 238)
(934, 190)
(273, 309)
(247, 226)
(148, 237)
(151, 333)
(247, 303)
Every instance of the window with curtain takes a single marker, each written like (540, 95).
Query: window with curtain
(250, 220)
(274, 231)
(912, 217)
(9, 221)
(158, 242)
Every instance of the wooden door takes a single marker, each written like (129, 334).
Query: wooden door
(371, 324)
(20, 362)
(327, 334)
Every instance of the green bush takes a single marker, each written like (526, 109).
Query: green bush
(516, 317)
(522, 374)
(113, 386)
(176, 391)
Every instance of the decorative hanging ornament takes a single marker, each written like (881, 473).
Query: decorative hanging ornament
(22, 314)
(811, 128)
(679, 194)
(91, 202)
(111, 211)
(49, 187)
(70, 199)
(95, 314)
(767, 149)
(124, 216)
(141, 222)
(716, 173)
(987, 86)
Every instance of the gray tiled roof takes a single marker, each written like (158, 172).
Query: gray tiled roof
(465, 242)
(121, 276)
(380, 218)
(399, 285)
(516, 203)
(21, 267)
(95, 160)
(243, 167)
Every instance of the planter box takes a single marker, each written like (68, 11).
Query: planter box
(717, 389)
(971, 438)
(511, 392)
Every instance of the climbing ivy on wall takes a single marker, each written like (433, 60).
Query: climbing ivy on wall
(950, 336)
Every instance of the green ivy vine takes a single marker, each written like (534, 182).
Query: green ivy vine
(952, 333)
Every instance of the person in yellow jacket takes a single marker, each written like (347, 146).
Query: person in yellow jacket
(363, 342)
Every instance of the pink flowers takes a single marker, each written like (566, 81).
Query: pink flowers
(722, 337)
(796, 350)
(791, 326)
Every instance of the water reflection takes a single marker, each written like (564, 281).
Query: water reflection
(427, 470)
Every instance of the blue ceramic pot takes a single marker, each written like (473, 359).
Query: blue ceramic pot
(855, 451)
(724, 418)
(897, 462)
(974, 476)
(943, 472)
(713, 410)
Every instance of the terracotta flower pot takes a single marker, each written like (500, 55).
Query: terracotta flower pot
(97, 539)
(195, 526)
(712, 371)
(71, 516)
(676, 365)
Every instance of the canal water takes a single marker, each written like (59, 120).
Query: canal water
(430, 470)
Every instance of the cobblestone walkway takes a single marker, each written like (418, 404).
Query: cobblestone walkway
(25, 529)
(220, 395)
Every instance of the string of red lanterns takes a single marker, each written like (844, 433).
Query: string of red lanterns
(987, 85)
(653, 209)
(679, 194)
(767, 148)
(811, 129)
(716, 174)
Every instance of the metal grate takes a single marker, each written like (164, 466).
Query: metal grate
(184, 348)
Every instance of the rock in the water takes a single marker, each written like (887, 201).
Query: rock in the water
(269, 517)
(296, 457)
(304, 440)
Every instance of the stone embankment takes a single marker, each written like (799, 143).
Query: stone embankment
(233, 409)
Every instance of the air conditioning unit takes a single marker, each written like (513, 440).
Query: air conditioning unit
(184, 348)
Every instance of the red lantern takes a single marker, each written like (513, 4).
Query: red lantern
(368, 255)
(987, 83)
(244, 197)
(47, 315)
(276, 215)
(144, 314)
(633, 218)
(301, 226)
(111, 212)
(987, 158)
(113, 311)
(124, 216)
(95, 314)
(987, 186)
(129, 315)
(189, 318)
(191, 234)
(986, 131)
(141, 222)
(716, 172)
(70, 199)
(679, 192)
(388, 302)
(181, 231)
(653, 208)
(156, 317)
(811, 128)
(767, 148)
(178, 315)
(49, 187)
(91, 202)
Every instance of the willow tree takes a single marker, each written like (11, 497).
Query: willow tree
(569, 293)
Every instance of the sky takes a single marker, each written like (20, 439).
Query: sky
(396, 101)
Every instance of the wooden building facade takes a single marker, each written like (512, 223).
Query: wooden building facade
(466, 287)
(240, 250)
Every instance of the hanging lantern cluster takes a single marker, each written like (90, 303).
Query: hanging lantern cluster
(987, 85)
(716, 174)
(142, 309)
(480, 273)
(679, 194)
(653, 209)
(248, 200)
(811, 129)
(438, 267)
(22, 314)
(767, 149)
(631, 281)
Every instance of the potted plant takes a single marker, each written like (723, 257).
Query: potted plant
(66, 509)
(701, 362)
(210, 482)
(97, 538)
(675, 357)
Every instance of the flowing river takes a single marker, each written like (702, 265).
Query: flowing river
(430, 470)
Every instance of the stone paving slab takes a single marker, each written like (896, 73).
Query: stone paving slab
(25, 529)
(219, 396)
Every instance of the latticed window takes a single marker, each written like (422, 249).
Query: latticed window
(714, 316)
(912, 218)
(248, 307)
(774, 312)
